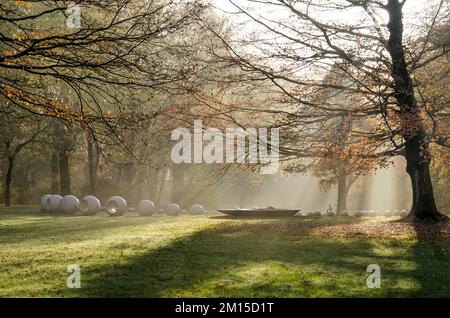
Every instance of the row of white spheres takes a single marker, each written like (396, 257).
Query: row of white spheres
(70, 204)
(115, 206)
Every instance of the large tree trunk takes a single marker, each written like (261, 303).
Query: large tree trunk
(342, 194)
(418, 169)
(8, 181)
(416, 144)
(64, 174)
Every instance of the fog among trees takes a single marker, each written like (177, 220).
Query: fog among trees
(358, 90)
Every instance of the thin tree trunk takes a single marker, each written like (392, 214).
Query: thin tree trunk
(54, 187)
(162, 181)
(178, 184)
(416, 145)
(92, 165)
(8, 181)
(64, 174)
(342, 194)
(152, 185)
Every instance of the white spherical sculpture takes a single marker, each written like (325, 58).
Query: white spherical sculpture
(53, 203)
(116, 206)
(197, 209)
(145, 207)
(172, 209)
(90, 205)
(69, 204)
(44, 203)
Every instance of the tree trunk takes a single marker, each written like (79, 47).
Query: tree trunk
(178, 185)
(54, 187)
(342, 194)
(64, 174)
(152, 185)
(418, 169)
(416, 144)
(8, 181)
(162, 182)
(93, 161)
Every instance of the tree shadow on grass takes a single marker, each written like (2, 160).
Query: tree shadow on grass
(68, 228)
(432, 255)
(249, 261)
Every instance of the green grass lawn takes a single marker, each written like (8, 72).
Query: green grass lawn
(201, 256)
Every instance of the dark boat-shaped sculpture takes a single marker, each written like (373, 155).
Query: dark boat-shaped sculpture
(260, 212)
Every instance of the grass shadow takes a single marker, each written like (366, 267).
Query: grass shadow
(251, 261)
(432, 255)
(30, 227)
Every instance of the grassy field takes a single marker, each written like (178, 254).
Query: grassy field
(203, 256)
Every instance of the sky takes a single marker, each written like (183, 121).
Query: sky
(410, 5)
(412, 10)
(416, 15)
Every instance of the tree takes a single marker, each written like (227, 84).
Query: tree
(119, 47)
(305, 39)
(17, 131)
(433, 95)
(338, 162)
(336, 170)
